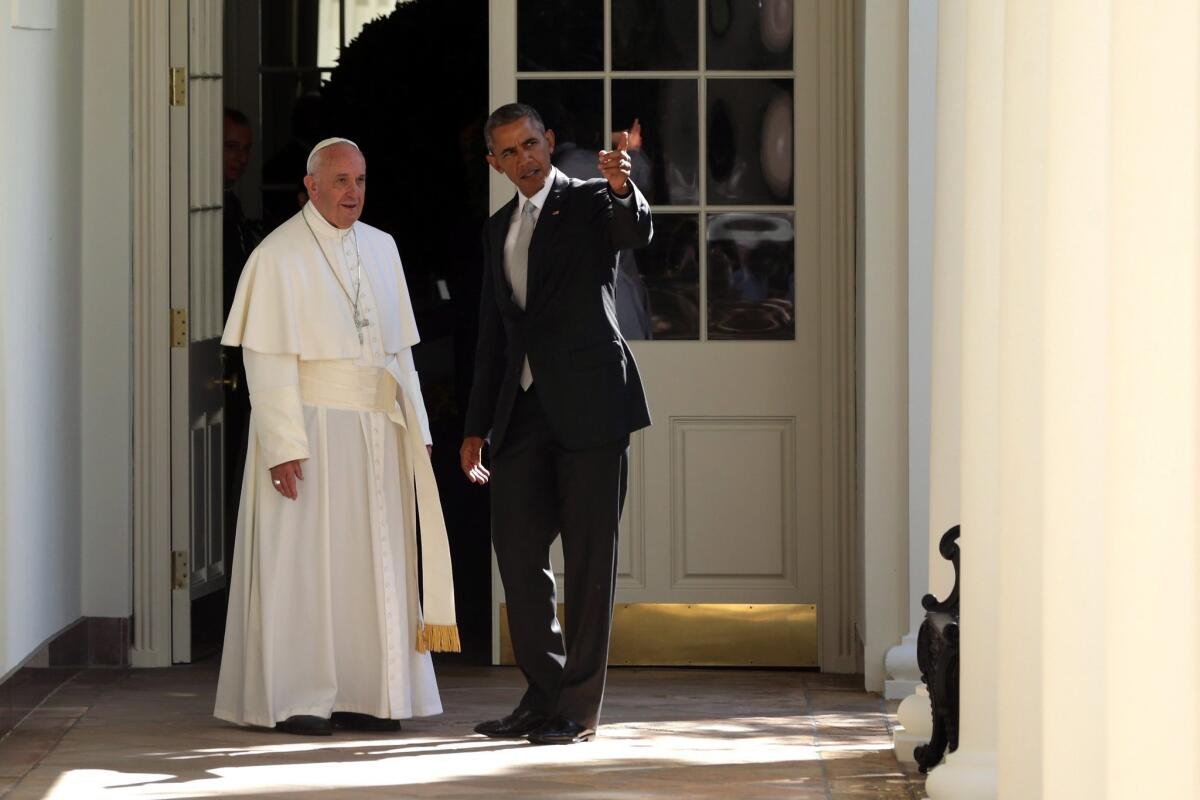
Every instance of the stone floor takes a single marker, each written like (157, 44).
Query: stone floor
(668, 734)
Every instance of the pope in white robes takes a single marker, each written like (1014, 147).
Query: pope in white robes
(325, 626)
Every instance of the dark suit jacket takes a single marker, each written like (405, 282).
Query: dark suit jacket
(586, 379)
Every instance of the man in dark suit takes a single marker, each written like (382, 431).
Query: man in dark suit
(557, 387)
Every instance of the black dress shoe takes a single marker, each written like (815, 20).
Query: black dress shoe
(561, 730)
(305, 725)
(353, 721)
(519, 723)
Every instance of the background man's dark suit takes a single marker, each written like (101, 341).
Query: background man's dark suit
(560, 450)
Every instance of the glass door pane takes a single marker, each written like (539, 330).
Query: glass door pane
(751, 276)
(750, 141)
(654, 35)
(557, 36)
(661, 115)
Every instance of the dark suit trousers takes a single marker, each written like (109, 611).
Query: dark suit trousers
(539, 491)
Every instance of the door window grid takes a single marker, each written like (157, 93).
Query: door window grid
(703, 210)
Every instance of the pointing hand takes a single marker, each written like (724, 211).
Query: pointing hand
(615, 166)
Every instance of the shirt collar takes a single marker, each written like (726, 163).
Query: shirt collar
(322, 226)
(539, 199)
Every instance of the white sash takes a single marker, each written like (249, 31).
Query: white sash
(340, 384)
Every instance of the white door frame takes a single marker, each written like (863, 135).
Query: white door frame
(838, 609)
(840, 605)
(151, 336)
(160, 459)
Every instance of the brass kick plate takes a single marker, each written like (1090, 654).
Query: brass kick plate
(703, 634)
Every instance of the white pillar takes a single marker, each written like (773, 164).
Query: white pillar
(883, 324)
(945, 397)
(1152, 532)
(1022, 420)
(901, 661)
(904, 683)
(970, 773)
(945, 430)
(1081, 400)
(1121, 406)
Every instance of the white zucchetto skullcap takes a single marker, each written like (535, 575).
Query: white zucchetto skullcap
(321, 145)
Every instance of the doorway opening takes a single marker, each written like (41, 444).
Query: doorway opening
(407, 81)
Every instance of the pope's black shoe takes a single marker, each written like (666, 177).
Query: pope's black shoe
(305, 725)
(561, 730)
(353, 721)
(519, 723)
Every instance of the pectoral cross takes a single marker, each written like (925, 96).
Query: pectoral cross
(359, 324)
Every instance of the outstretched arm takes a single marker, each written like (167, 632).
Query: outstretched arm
(630, 225)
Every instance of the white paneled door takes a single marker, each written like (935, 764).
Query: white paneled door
(741, 312)
(199, 564)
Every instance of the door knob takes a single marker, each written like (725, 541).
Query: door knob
(230, 382)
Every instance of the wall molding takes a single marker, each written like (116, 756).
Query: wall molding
(787, 576)
(88, 642)
(840, 650)
(635, 513)
(151, 346)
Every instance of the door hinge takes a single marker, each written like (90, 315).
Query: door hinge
(178, 86)
(179, 569)
(179, 331)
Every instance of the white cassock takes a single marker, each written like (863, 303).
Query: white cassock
(323, 606)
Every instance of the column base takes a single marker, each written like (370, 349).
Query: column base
(915, 715)
(894, 689)
(964, 775)
(904, 676)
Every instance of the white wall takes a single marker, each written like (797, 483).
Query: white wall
(65, 400)
(106, 345)
(883, 330)
(40, 147)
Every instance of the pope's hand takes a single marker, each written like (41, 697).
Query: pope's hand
(471, 458)
(615, 166)
(285, 477)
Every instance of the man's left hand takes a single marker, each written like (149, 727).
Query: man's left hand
(615, 166)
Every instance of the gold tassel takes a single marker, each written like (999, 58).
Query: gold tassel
(438, 639)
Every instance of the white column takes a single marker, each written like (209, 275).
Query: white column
(945, 432)
(901, 661)
(904, 683)
(1022, 421)
(1121, 406)
(945, 398)
(1151, 597)
(883, 326)
(970, 772)
(1081, 402)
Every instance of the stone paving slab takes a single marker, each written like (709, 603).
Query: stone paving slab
(667, 733)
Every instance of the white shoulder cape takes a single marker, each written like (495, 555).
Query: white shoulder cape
(290, 301)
